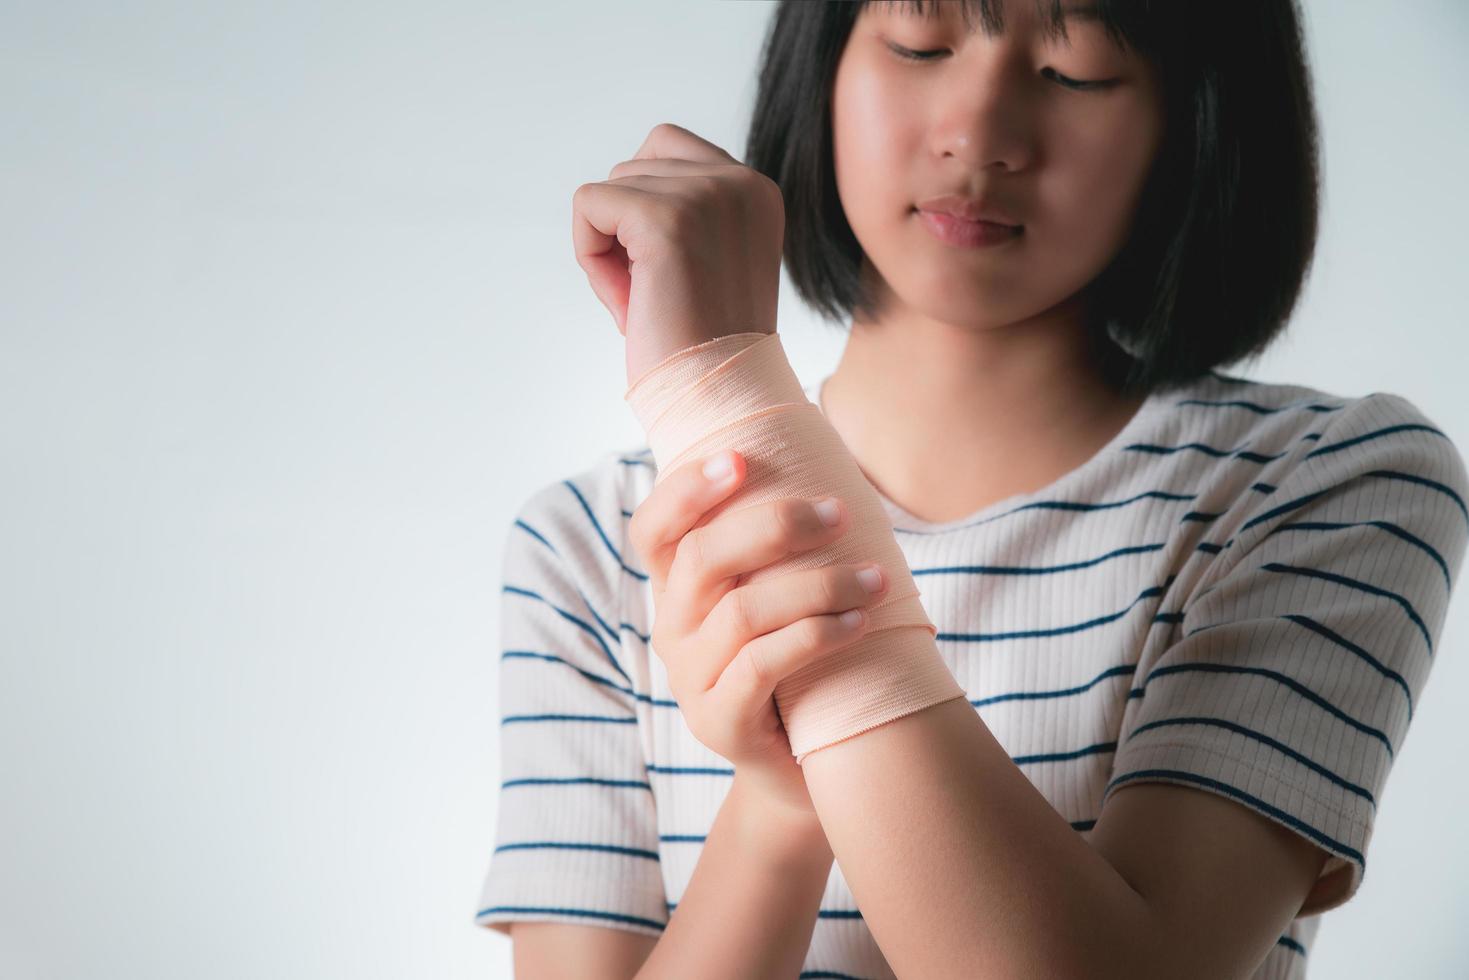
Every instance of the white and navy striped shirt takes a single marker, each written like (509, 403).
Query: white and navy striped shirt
(1241, 592)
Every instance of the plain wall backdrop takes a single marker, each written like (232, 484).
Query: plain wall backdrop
(290, 326)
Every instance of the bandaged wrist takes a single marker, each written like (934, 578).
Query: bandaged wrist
(739, 392)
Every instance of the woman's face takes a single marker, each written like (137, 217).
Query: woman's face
(990, 118)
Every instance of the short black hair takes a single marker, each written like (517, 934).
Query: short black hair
(1226, 224)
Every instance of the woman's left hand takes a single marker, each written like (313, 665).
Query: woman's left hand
(726, 642)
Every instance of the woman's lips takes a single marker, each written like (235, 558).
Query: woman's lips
(968, 234)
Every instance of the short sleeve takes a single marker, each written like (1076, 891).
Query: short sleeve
(1305, 650)
(576, 836)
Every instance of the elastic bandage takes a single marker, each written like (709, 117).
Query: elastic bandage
(739, 392)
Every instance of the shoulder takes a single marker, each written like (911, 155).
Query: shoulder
(1383, 435)
(1315, 478)
(1309, 436)
(581, 518)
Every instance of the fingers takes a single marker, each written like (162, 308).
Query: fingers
(749, 680)
(599, 214)
(647, 167)
(676, 504)
(745, 540)
(670, 140)
(778, 621)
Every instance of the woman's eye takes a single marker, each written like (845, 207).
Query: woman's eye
(908, 54)
(1075, 83)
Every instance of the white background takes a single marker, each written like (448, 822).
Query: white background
(290, 325)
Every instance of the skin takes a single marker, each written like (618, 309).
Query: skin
(972, 384)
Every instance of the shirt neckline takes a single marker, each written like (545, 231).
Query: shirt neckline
(902, 520)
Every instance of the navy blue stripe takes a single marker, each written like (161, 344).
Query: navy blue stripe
(820, 914)
(537, 535)
(1423, 481)
(688, 770)
(1099, 749)
(552, 658)
(1056, 505)
(557, 910)
(1407, 606)
(1057, 631)
(1245, 454)
(1171, 774)
(1337, 638)
(563, 845)
(1259, 737)
(1019, 760)
(612, 633)
(1291, 944)
(597, 526)
(1369, 436)
(1060, 693)
(826, 975)
(511, 719)
(577, 781)
(578, 621)
(1033, 570)
(1260, 409)
(1295, 504)
(595, 678)
(1387, 526)
(1289, 682)
(683, 838)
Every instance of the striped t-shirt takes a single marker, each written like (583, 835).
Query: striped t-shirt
(1241, 592)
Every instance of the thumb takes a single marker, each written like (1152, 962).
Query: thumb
(598, 212)
(612, 283)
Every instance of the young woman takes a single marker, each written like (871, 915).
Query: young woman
(1190, 615)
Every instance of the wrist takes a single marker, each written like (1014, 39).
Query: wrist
(778, 833)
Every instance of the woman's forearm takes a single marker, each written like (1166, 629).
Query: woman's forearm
(751, 905)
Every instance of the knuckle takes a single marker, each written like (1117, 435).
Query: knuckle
(813, 633)
(669, 222)
(834, 587)
(757, 662)
(681, 220)
(635, 528)
(739, 612)
(791, 516)
(692, 552)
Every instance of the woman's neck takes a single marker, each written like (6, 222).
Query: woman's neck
(945, 421)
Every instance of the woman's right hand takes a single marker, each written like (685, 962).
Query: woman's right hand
(726, 643)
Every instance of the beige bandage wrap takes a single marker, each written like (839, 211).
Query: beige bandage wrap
(739, 392)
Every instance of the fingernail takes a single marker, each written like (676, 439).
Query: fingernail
(871, 578)
(718, 467)
(829, 511)
(851, 618)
